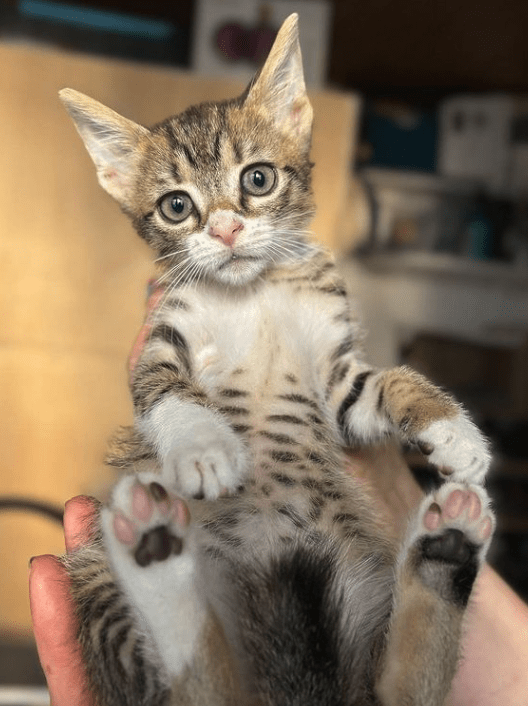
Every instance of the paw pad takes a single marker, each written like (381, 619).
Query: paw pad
(460, 507)
(152, 523)
(157, 545)
(451, 546)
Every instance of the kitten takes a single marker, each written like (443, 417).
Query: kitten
(237, 562)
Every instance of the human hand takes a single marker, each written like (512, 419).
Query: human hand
(54, 621)
(495, 639)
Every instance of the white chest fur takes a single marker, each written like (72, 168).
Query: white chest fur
(268, 331)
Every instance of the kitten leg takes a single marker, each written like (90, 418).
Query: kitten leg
(202, 457)
(153, 553)
(402, 402)
(200, 453)
(444, 552)
(121, 667)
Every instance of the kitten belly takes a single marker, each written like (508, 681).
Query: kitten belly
(268, 335)
(259, 356)
(254, 358)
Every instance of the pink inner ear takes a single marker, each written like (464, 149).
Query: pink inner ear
(296, 114)
(115, 177)
(111, 175)
(296, 117)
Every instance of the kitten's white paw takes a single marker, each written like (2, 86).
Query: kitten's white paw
(457, 448)
(208, 463)
(152, 548)
(146, 519)
(202, 456)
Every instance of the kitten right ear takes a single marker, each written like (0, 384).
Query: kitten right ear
(111, 140)
(279, 88)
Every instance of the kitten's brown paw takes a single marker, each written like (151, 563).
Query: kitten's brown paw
(455, 526)
(462, 508)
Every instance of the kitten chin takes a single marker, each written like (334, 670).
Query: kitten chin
(239, 270)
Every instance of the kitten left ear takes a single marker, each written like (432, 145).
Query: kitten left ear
(280, 89)
(111, 140)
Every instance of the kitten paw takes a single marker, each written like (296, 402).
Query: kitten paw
(147, 520)
(459, 508)
(457, 448)
(453, 533)
(211, 463)
(152, 549)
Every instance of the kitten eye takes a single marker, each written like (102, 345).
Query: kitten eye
(259, 179)
(176, 207)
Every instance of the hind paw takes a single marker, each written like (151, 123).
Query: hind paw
(452, 534)
(154, 525)
(152, 550)
(462, 508)
(145, 520)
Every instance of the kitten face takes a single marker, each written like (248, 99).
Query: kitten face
(221, 195)
(223, 190)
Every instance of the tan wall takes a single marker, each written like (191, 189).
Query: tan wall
(72, 279)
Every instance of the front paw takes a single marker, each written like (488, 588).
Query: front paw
(457, 448)
(209, 462)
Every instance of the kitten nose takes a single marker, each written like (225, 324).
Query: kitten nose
(225, 227)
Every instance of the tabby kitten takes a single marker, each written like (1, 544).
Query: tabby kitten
(237, 562)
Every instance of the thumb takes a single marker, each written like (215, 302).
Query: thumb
(54, 626)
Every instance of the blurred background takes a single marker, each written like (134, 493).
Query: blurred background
(421, 181)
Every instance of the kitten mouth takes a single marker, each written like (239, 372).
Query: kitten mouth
(236, 258)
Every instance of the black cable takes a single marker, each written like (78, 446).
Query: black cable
(53, 512)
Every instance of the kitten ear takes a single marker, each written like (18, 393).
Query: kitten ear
(279, 87)
(111, 140)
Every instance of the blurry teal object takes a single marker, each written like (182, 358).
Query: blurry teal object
(120, 22)
(401, 138)
(480, 238)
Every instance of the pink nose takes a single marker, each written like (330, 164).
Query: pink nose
(225, 227)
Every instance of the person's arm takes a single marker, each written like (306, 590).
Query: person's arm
(494, 668)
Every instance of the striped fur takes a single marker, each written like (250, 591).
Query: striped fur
(285, 587)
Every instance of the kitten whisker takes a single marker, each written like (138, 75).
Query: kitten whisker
(165, 257)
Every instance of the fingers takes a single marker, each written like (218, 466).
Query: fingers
(54, 626)
(54, 622)
(79, 515)
(392, 485)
